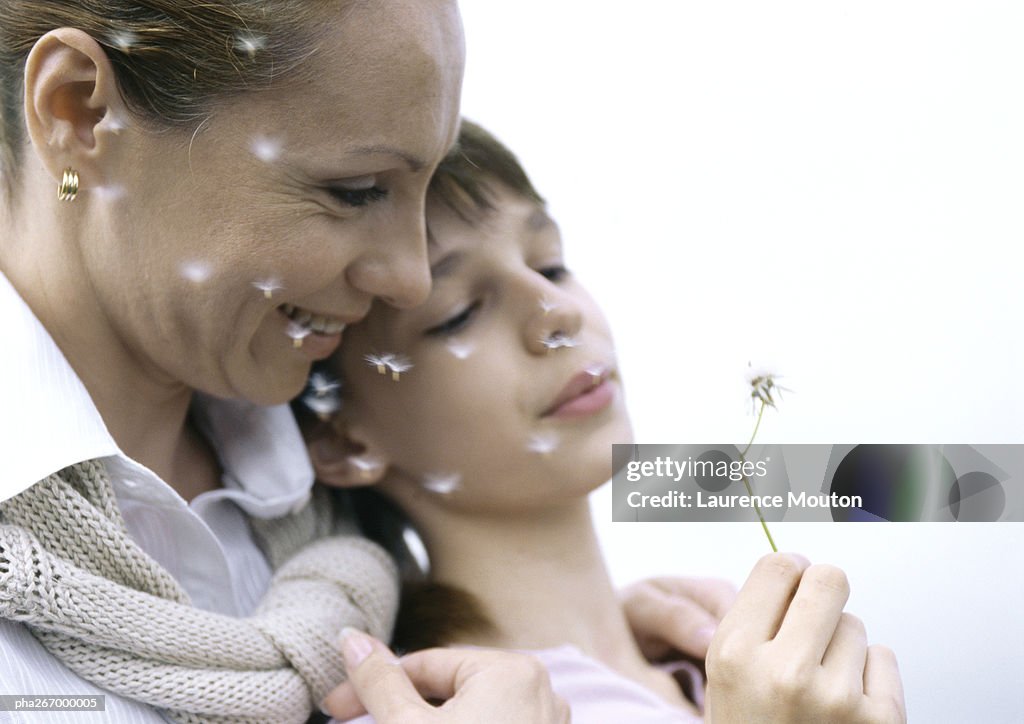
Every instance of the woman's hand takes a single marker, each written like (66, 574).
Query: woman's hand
(787, 653)
(478, 685)
(669, 615)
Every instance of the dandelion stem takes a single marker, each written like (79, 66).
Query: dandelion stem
(746, 480)
(756, 425)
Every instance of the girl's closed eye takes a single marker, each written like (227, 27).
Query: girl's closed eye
(554, 273)
(454, 323)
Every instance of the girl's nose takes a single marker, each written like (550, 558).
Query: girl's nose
(555, 323)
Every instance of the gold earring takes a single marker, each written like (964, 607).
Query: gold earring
(67, 190)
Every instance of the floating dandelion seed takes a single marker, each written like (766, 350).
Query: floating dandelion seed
(442, 483)
(323, 406)
(322, 384)
(195, 271)
(460, 350)
(297, 332)
(380, 361)
(366, 467)
(268, 286)
(124, 41)
(597, 371)
(547, 306)
(115, 124)
(396, 363)
(112, 192)
(543, 443)
(559, 340)
(249, 43)
(418, 551)
(266, 149)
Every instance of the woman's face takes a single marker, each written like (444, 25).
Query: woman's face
(490, 417)
(286, 212)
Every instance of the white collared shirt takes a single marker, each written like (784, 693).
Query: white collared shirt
(48, 421)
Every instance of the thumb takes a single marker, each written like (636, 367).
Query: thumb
(376, 682)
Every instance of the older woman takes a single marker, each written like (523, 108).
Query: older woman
(235, 182)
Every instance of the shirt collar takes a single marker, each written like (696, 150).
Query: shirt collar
(48, 422)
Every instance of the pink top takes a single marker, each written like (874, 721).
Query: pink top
(598, 695)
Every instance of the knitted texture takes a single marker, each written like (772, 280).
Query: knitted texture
(100, 604)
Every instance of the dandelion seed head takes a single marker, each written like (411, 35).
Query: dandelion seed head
(763, 384)
(195, 271)
(542, 443)
(442, 483)
(559, 340)
(266, 149)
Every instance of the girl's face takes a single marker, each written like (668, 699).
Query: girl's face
(286, 212)
(513, 399)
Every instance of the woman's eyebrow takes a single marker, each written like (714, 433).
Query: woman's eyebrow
(415, 164)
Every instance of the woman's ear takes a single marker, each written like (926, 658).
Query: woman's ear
(342, 461)
(72, 103)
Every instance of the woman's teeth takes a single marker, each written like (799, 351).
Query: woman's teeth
(318, 323)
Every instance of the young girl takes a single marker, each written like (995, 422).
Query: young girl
(487, 415)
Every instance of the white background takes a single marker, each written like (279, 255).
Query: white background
(830, 190)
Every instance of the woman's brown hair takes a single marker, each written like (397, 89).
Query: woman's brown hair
(173, 60)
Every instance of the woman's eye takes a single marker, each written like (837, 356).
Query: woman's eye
(455, 323)
(358, 197)
(554, 273)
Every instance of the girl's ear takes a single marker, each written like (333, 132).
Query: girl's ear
(342, 461)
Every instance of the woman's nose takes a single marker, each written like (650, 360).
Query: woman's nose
(395, 269)
(555, 322)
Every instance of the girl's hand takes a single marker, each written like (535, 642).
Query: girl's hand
(478, 685)
(787, 653)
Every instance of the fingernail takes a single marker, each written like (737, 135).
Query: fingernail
(355, 647)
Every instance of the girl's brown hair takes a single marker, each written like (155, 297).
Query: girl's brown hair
(173, 60)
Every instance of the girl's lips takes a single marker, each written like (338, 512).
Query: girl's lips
(586, 393)
(590, 402)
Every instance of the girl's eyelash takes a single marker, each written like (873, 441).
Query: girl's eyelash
(455, 323)
(554, 273)
(358, 197)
